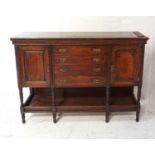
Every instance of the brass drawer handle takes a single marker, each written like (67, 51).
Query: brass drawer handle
(62, 50)
(96, 81)
(63, 82)
(41, 53)
(96, 69)
(62, 60)
(96, 50)
(96, 59)
(64, 70)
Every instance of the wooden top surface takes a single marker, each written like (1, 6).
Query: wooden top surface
(80, 35)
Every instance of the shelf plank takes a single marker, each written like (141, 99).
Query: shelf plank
(72, 104)
(91, 104)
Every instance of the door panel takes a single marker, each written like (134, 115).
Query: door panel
(125, 68)
(35, 66)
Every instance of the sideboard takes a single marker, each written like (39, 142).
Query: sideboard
(80, 71)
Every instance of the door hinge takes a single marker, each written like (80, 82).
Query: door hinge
(112, 69)
(48, 68)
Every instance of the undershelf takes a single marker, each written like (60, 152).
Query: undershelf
(82, 100)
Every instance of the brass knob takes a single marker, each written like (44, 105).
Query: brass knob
(62, 50)
(64, 70)
(96, 59)
(63, 60)
(29, 78)
(42, 78)
(96, 50)
(96, 80)
(97, 69)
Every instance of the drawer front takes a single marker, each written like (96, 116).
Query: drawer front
(79, 81)
(82, 60)
(80, 66)
(79, 70)
(79, 50)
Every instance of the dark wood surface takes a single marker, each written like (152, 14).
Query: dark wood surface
(83, 71)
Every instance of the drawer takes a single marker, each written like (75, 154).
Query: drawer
(80, 70)
(59, 59)
(79, 50)
(79, 81)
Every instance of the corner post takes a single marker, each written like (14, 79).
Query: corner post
(107, 105)
(138, 103)
(53, 105)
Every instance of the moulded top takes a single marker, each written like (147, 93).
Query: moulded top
(80, 35)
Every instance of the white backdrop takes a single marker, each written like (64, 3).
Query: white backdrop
(39, 15)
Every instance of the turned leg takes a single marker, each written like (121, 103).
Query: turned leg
(107, 117)
(32, 91)
(138, 103)
(22, 104)
(53, 105)
(107, 105)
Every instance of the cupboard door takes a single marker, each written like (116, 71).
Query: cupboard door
(125, 67)
(35, 66)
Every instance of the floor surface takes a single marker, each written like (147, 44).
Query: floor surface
(74, 125)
